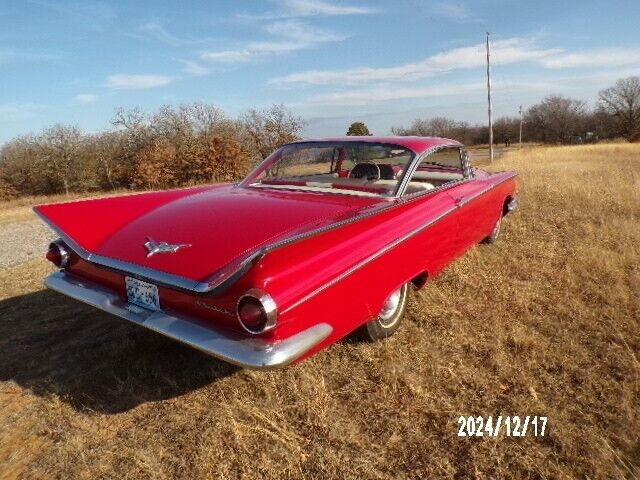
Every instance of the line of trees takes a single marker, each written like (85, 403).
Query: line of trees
(556, 119)
(175, 146)
(199, 143)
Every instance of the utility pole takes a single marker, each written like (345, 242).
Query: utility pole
(489, 98)
(520, 142)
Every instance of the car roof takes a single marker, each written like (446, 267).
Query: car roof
(417, 144)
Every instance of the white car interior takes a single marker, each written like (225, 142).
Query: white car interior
(333, 169)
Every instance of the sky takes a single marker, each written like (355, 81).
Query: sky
(331, 62)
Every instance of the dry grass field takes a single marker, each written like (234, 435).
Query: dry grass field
(544, 322)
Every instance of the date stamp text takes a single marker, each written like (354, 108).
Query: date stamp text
(509, 426)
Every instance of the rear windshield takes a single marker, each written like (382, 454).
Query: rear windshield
(372, 169)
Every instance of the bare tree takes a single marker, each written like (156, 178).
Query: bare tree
(7, 191)
(60, 149)
(271, 128)
(19, 160)
(622, 101)
(506, 130)
(555, 119)
(436, 127)
(108, 150)
(132, 119)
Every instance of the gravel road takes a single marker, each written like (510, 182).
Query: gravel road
(23, 241)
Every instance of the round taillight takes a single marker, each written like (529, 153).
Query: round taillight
(257, 311)
(57, 254)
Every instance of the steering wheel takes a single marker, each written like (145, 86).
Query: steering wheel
(370, 171)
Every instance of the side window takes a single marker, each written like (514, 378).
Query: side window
(437, 169)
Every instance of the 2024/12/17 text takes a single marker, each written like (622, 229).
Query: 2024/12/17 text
(510, 426)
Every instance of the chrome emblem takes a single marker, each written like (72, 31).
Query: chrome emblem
(163, 247)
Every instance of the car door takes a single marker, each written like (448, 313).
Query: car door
(474, 211)
(478, 209)
(426, 187)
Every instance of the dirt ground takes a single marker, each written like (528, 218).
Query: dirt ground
(545, 322)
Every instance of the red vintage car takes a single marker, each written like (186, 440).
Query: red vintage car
(322, 240)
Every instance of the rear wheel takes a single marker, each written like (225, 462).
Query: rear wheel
(388, 320)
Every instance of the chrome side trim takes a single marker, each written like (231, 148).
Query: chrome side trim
(247, 352)
(389, 247)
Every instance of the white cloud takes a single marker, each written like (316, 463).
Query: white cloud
(156, 31)
(387, 93)
(453, 11)
(15, 112)
(92, 15)
(253, 51)
(303, 33)
(15, 55)
(306, 8)
(475, 91)
(86, 98)
(231, 56)
(136, 82)
(512, 50)
(613, 57)
(507, 51)
(293, 35)
(194, 69)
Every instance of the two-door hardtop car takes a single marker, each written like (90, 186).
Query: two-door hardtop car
(323, 239)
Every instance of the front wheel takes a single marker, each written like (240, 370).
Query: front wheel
(388, 320)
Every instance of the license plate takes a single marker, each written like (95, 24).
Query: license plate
(142, 293)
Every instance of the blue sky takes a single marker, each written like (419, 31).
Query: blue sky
(332, 62)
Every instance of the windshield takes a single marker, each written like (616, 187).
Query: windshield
(370, 169)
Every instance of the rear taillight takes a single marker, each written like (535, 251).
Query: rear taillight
(257, 311)
(58, 254)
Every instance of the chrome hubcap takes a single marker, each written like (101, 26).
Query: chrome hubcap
(386, 317)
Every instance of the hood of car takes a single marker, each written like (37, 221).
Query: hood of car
(195, 232)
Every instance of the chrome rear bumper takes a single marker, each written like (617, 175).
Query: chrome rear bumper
(247, 352)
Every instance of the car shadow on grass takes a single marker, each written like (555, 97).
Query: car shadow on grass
(92, 360)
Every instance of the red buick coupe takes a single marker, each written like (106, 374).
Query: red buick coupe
(323, 239)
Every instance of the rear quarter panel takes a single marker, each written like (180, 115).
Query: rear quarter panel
(343, 277)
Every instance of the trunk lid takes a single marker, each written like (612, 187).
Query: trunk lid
(220, 224)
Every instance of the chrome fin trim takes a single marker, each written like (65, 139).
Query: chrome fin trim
(247, 352)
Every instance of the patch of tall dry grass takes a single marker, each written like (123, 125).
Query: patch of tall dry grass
(545, 322)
